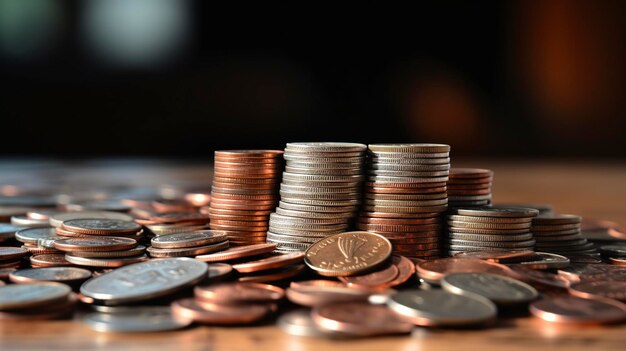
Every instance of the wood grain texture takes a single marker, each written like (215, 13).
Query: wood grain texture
(594, 190)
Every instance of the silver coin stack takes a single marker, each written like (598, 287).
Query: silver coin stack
(490, 229)
(320, 193)
(560, 234)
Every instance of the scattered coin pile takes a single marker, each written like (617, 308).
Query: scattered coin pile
(405, 196)
(561, 234)
(320, 193)
(244, 193)
(469, 187)
(100, 242)
(490, 229)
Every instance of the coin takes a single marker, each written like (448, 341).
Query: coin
(273, 275)
(348, 253)
(470, 173)
(136, 283)
(11, 253)
(188, 251)
(497, 288)
(32, 235)
(613, 250)
(233, 293)
(434, 271)
(497, 211)
(380, 277)
(109, 243)
(105, 262)
(135, 319)
(24, 221)
(272, 262)
(235, 253)
(190, 309)
(20, 296)
(440, 308)
(417, 148)
(299, 323)
(135, 251)
(68, 275)
(574, 310)
(49, 260)
(57, 219)
(359, 318)
(607, 289)
(502, 256)
(101, 226)
(189, 239)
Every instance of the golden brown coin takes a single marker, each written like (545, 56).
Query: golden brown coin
(11, 253)
(273, 275)
(374, 279)
(359, 318)
(272, 262)
(433, 271)
(105, 262)
(235, 292)
(200, 312)
(235, 253)
(189, 239)
(348, 253)
(187, 251)
(104, 243)
(49, 260)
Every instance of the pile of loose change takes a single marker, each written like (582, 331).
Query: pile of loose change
(320, 193)
(139, 261)
(244, 193)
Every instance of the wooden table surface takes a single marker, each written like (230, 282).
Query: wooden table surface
(595, 190)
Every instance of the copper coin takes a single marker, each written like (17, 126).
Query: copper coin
(233, 293)
(539, 278)
(108, 243)
(198, 199)
(501, 256)
(188, 239)
(574, 310)
(399, 221)
(235, 253)
(608, 289)
(100, 226)
(406, 269)
(617, 261)
(217, 272)
(67, 275)
(11, 253)
(323, 295)
(324, 283)
(273, 275)
(187, 251)
(433, 271)
(373, 279)
(277, 261)
(135, 251)
(105, 262)
(192, 309)
(227, 212)
(172, 206)
(359, 318)
(348, 253)
(255, 154)
(49, 260)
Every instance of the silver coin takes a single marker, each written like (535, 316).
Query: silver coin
(293, 238)
(501, 244)
(104, 224)
(313, 202)
(408, 159)
(387, 173)
(7, 231)
(24, 221)
(317, 190)
(32, 235)
(188, 251)
(322, 178)
(322, 165)
(299, 323)
(50, 274)
(389, 179)
(613, 250)
(410, 167)
(57, 219)
(497, 288)
(317, 208)
(547, 261)
(135, 251)
(145, 280)
(490, 237)
(187, 239)
(497, 211)
(441, 308)
(276, 218)
(306, 214)
(136, 319)
(18, 296)
(323, 171)
(104, 262)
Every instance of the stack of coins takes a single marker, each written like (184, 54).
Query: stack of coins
(244, 193)
(100, 242)
(490, 229)
(405, 196)
(187, 244)
(320, 193)
(469, 187)
(38, 241)
(560, 234)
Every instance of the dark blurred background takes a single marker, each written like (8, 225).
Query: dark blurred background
(171, 78)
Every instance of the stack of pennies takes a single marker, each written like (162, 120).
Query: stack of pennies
(100, 242)
(36, 301)
(10, 257)
(490, 229)
(468, 187)
(244, 193)
(187, 244)
(320, 193)
(405, 196)
(38, 241)
(561, 234)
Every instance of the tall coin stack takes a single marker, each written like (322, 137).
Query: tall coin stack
(405, 196)
(490, 229)
(320, 193)
(469, 187)
(560, 234)
(244, 193)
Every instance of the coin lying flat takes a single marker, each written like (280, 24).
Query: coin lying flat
(497, 288)
(100, 226)
(359, 318)
(135, 319)
(433, 271)
(191, 309)
(440, 308)
(574, 310)
(348, 253)
(32, 235)
(234, 293)
(145, 280)
(607, 289)
(234, 253)
(10, 253)
(299, 323)
(108, 243)
(50, 274)
(58, 218)
(18, 296)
